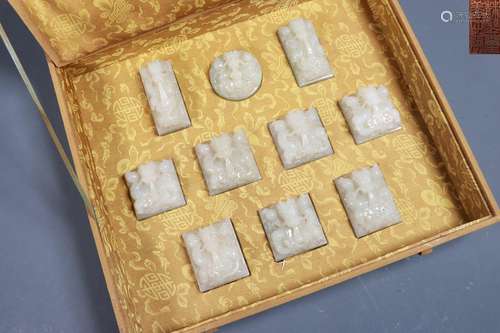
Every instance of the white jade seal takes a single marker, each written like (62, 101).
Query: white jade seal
(235, 75)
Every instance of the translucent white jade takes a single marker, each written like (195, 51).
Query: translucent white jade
(164, 97)
(370, 113)
(368, 201)
(154, 188)
(292, 227)
(304, 52)
(300, 138)
(236, 75)
(227, 162)
(215, 255)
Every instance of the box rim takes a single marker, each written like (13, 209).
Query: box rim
(446, 108)
(120, 316)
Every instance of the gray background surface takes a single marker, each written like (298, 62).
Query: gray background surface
(51, 280)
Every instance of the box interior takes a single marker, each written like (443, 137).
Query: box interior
(434, 188)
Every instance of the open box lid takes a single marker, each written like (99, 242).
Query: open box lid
(69, 30)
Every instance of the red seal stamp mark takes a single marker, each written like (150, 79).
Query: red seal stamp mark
(484, 26)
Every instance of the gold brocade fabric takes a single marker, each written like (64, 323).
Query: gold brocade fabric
(148, 261)
(73, 29)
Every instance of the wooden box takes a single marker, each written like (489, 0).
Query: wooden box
(94, 52)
